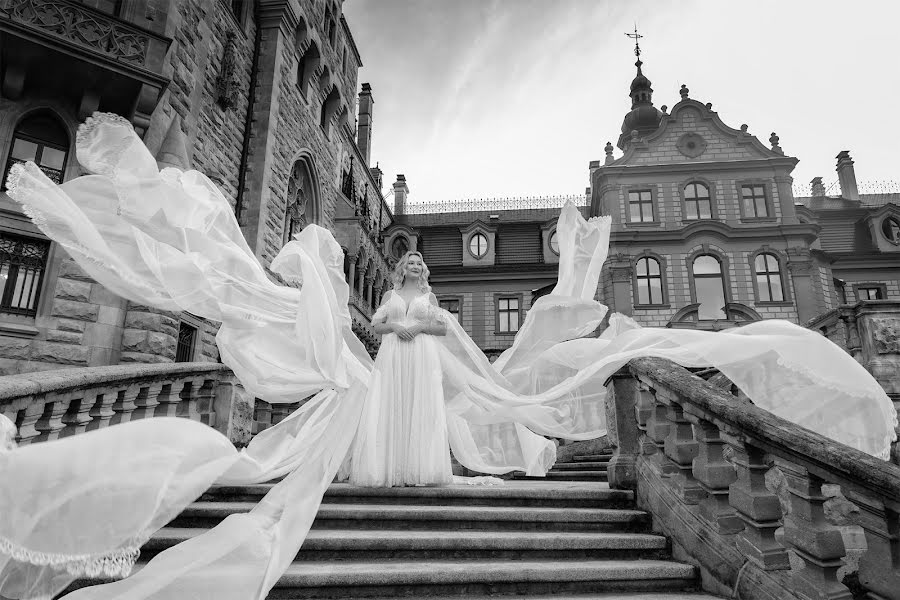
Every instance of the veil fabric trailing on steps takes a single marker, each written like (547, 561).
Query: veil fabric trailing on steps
(83, 506)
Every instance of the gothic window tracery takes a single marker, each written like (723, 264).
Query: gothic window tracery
(300, 200)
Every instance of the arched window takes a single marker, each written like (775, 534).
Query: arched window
(301, 202)
(769, 286)
(890, 227)
(307, 67)
(709, 287)
(478, 245)
(697, 204)
(649, 281)
(399, 246)
(40, 138)
(329, 108)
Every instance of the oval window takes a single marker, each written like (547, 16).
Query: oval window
(478, 245)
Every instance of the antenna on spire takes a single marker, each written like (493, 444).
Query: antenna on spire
(636, 36)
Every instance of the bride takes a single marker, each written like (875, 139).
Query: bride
(402, 439)
(84, 505)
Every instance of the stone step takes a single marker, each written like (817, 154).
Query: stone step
(592, 457)
(368, 545)
(587, 596)
(431, 517)
(580, 466)
(533, 493)
(566, 476)
(462, 578)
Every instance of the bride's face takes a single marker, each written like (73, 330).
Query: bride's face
(414, 266)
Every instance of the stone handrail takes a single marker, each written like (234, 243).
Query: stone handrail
(766, 508)
(53, 404)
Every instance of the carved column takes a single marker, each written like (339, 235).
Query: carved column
(757, 507)
(622, 392)
(351, 277)
(376, 296)
(818, 543)
(368, 290)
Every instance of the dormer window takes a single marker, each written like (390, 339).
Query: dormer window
(478, 245)
(890, 227)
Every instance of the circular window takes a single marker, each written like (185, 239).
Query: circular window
(478, 245)
(554, 242)
(890, 227)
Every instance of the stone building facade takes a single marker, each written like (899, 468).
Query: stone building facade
(260, 96)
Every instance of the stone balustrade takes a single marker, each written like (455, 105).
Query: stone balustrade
(54, 404)
(767, 509)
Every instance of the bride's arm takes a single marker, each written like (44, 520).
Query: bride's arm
(435, 324)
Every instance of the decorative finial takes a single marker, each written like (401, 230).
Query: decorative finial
(709, 106)
(637, 47)
(634, 135)
(773, 139)
(609, 153)
(744, 128)
(664, 109)
(684, 92)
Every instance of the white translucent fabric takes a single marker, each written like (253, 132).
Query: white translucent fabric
(84, 504)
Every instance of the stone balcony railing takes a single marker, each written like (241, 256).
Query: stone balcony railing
(54, 404)
(765, 508)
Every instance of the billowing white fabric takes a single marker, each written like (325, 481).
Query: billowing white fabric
(85, 504)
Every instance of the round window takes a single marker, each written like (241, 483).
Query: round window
(554, 242)
(890, 227)
(478, 245)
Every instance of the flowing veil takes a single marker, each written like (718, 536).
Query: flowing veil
(84, 505)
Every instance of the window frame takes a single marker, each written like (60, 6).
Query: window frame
(459, 302)
(726, 281)
(654, 205)
(518, 297)
(196, 324)
(767, 193)
(41, 144)
(636, 281)
(711, 190)
(487, 244)
(883, 224)
(785, 284)
(864, 285)
(7, 290)
(550, 237)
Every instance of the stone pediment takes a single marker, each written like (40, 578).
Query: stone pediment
(693, 133)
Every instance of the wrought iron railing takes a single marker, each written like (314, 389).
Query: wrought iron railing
(486, 204)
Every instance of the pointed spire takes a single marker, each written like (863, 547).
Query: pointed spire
(173, 152)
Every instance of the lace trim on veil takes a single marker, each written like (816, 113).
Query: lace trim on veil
(117, 563)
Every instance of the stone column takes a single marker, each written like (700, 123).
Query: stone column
(376, 294)
(783, 184)
(351, 276)
(368, 295)
(801, 268)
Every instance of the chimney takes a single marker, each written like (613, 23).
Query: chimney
(400, 192)
(847, 176)
(818, 188)
(364, 127)
(378, 176)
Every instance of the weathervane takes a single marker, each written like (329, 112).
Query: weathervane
(636, 36)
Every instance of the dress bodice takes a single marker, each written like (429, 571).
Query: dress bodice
(396, 309)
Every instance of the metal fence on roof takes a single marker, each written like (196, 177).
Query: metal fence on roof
(488, 204)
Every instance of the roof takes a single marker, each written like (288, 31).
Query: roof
(463, 218)
(840, 203)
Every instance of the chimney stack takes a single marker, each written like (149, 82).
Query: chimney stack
(364, 127)
(401, 191)
(818, 188)
(847, 176)
(378, 176)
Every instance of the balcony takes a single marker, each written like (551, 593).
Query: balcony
(71, 51)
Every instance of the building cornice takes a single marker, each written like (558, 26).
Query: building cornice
(807, 231)
(350, 39)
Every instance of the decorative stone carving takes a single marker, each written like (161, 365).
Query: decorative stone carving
(885, 335)
(691, 144)
(80, 25)
(227, 84)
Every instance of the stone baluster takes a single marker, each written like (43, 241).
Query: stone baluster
(167, 400)
(621, 396)
(815, 541)
(657, 430)
(715, 475)
(26, 421)
(206, 396)
(124, 405)
(681, 449)
(188, 407)
(756, 506)
(102, 410)
(643, 410)
(51, 422)
(146, 401)
(78, 416)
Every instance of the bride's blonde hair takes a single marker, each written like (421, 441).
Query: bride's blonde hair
(399, 273)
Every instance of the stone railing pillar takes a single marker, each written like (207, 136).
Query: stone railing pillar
(657, 431)
(622, 393)
(681, 449)
(715, 475)
(234, 409)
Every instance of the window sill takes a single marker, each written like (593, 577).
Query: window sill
(651, 306)
(771, 303)
(759, 219)
(19, 330)
(643, 224)
(505, 333)
(699, 220)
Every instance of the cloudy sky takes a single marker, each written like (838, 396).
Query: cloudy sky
(499, 98)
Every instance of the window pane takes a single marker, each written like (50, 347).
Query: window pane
(706, 265)
(690, 191)
(643, 292)
(24, 150)
(701, 190)
(52, 158)
(635, 212)
(705, 209)
(554, 242)
(642, 267)
(777, 292)
(762, 286)
(655, 290)
(761, 209)
(711, 296)
(691, 209)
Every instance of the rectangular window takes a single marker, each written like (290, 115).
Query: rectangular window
(22, 265)
(754, 199)
(451, 306)
(640, 206)
(187, 340)
(508, 315)
(870, 293)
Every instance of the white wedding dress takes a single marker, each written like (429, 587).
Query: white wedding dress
(402, 438)
(84, 505)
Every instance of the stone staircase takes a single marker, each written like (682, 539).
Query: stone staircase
(532, 539)
(581, 467)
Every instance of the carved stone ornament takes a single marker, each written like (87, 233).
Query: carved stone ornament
(227, 83)
(885, 335)
(691, 145)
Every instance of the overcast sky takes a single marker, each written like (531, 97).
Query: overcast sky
(497, 98)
